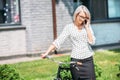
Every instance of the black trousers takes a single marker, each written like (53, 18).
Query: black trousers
(83, 72)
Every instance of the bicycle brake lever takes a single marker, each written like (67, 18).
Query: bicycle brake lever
(77, 68)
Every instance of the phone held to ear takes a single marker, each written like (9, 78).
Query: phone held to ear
(85, 22)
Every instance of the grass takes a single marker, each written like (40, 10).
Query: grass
(39, 69)
(107, 60)
(46, 69)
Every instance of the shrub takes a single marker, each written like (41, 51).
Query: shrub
(65, 73)
(98, 70)
(118, 74)
(9, 73)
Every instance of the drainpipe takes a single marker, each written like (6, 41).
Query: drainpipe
(54, 21)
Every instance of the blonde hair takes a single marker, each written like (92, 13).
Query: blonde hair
(78, 10)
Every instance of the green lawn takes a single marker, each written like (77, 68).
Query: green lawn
(46, 69)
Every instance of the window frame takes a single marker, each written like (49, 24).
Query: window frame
(115, 19)
(9, 24)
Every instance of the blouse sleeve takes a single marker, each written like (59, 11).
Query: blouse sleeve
(93, 42)
(62, 37)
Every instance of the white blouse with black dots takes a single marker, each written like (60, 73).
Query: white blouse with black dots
(81, 48)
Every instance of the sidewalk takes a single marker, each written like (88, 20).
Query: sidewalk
(17, 60)
(26, 59)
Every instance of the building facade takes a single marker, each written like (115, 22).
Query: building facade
(26, 26)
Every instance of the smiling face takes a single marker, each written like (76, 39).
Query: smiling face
(80, 17)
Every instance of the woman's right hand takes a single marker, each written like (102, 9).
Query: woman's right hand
(52, 47)
(43, 55)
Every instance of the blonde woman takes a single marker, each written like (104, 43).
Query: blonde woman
(81, 36)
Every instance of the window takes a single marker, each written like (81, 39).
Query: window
(113, 8)
(102, 10)
(99, 10)
(9, 12)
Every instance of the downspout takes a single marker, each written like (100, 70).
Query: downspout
(54, 21)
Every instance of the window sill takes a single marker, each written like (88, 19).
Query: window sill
(106, 21)
(12, 27)
(112, 45)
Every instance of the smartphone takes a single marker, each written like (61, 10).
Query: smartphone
(85, 22)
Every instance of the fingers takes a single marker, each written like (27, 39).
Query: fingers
(87, 23)
(43, 56)
(79, 63)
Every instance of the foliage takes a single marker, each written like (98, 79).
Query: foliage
(118, 65)
(98, 70)
(8, 73)
(65, 74)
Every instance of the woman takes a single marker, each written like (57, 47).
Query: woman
(81, 36)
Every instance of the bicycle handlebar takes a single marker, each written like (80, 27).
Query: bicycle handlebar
(60, 62)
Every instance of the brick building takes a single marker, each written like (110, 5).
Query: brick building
(26, 26)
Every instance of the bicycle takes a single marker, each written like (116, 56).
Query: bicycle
(63, 68)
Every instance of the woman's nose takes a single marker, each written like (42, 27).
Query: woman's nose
(82, 19)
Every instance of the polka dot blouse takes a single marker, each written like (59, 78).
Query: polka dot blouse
(81, 48)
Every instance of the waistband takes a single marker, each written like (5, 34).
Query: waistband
(82, 60)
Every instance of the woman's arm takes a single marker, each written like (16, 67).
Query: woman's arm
(58, 42)
(51, 48)
(91, 38)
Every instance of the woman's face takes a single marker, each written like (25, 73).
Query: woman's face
(81, 17)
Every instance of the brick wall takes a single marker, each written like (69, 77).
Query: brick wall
(12, 42)
(37, 17)
(64, 17)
